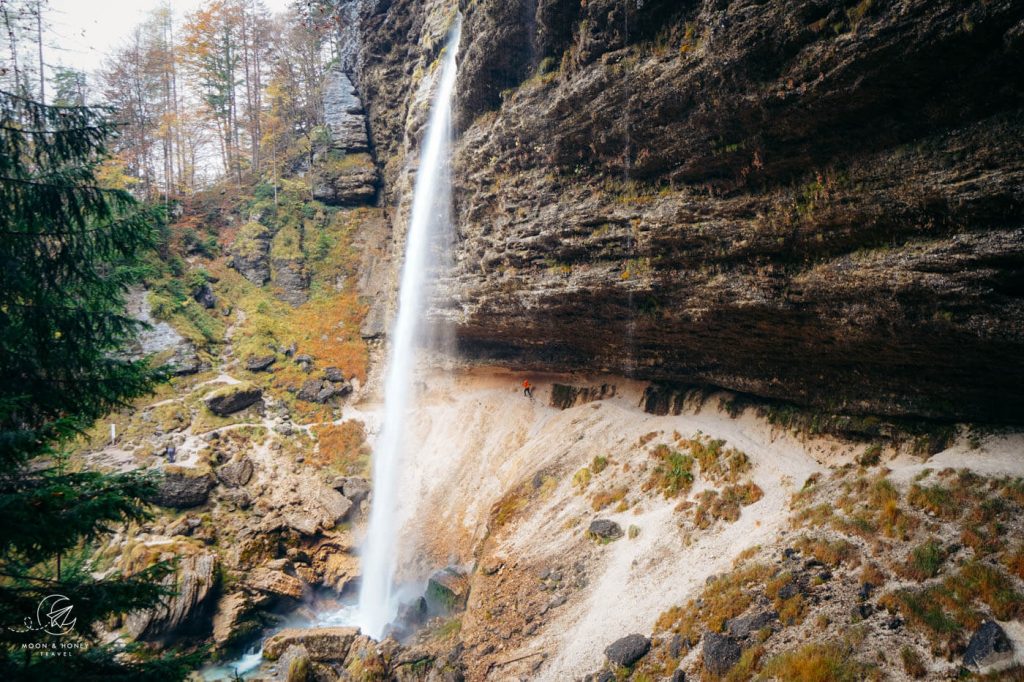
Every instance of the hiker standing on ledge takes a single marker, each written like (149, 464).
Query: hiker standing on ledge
(527, 389)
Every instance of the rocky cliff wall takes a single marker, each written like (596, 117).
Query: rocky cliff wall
(821, 202)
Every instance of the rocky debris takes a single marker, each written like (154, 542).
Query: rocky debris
(260, 363)
(321, 644)
(250, 253)
(275, 584)
(604, 529)
(203, 295)
(447, 590)
(354, 488)
(322, 391)
(627, 650)
(231, 621)
(721, 652)
(989, 646)
(185, 612)
(305, 361)
(743, 626)
(236, 473)
(183, 487)
(233, 398)
(333, 374)
(564, 396)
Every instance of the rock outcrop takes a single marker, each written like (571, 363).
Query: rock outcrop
(250, 251)
(344, 174)
(185, 612)
(802, 201)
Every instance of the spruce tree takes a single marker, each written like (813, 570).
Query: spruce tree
(68, 251)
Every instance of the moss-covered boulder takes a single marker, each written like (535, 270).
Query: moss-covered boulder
(233, 398)
(182, 487)
(447, 590)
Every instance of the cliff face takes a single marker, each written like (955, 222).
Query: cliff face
(821, 202)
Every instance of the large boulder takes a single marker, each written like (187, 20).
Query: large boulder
(203, 295)
(236, 473)
(321, 390)
(233, 398)
(232, 621)
(183, 487)
(989, 646)
(605, 530)
(745, 625)
(321, 644)
(316, 508)
(721, 652)
(185, 612)
(354, 488)
(260, 363)
(628, 650)
(447, 590)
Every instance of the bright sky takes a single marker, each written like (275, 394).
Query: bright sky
(83, 32)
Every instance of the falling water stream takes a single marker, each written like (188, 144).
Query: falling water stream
(377, 605)
(430, 204)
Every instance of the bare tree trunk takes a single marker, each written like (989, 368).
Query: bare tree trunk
(39, 38)
(13, 44)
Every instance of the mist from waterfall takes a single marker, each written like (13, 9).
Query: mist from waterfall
(429, 217)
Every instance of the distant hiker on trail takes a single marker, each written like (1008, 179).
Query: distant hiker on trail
(527, 389)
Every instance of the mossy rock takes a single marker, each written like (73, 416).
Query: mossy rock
(183, 487)
(233, 398)
(287, 244)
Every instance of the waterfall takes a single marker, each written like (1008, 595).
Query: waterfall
(430, 210)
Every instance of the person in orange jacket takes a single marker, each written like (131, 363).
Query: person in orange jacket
(527, 388)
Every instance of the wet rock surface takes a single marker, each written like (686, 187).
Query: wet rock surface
(321, 644)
